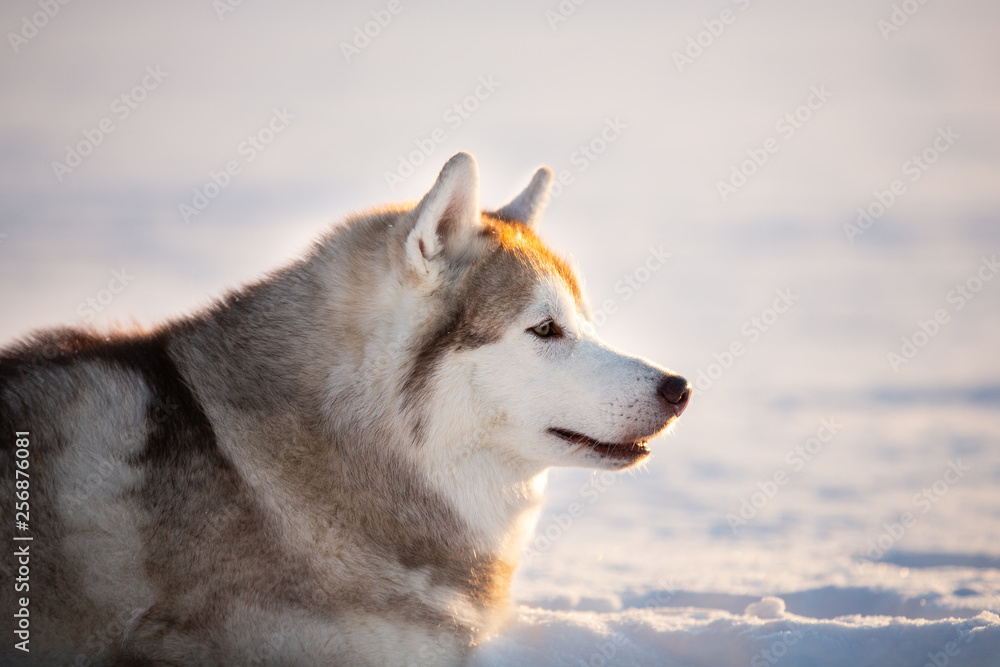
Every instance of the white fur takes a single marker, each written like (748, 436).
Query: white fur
(491, 455)
(94, 481)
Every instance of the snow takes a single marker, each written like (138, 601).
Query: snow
(769, 607)
(814, 506)
(706, 636)
(665, 571)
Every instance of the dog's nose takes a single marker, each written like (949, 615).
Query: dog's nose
(676, 391)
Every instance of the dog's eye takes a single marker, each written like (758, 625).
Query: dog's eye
(546, 329)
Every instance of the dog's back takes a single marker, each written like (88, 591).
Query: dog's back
(146, 539)
(119, 458)
(80, 404)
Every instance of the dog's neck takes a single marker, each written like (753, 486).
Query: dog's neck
(497, 498)
(449, 501)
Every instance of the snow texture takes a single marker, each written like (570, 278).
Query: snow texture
(819, 503)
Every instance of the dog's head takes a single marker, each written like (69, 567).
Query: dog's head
(506, 357)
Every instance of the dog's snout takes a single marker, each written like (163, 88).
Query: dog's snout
(676, 391)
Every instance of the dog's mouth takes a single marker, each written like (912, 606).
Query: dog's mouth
(622, 451)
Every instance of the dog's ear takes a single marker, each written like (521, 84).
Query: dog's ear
(528, 206)
(447, 216)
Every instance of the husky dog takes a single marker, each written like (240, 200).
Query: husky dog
(339, 464)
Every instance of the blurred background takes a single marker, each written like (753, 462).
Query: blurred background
(823, 176)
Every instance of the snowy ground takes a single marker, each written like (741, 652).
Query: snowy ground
(859, 501)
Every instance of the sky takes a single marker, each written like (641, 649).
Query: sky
(681, 116)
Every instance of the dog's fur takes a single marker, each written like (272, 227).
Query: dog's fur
(339, 464)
